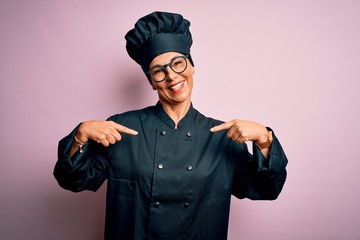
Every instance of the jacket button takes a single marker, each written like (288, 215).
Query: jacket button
(188, 134)
(160, 166)
(186, 205)
(189, 167)
(163, 132)
(157, 204)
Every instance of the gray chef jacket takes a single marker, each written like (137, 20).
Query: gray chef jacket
(167, 183)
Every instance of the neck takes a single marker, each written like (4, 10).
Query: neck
(176, 111)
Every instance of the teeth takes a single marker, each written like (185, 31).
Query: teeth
(177, 86)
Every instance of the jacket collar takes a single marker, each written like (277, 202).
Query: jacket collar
(164, 117)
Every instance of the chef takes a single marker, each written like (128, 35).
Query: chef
(170, 170)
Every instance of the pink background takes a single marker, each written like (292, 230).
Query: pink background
(292, 65)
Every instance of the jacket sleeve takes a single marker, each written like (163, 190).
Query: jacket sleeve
(83, 171)
(260, 178)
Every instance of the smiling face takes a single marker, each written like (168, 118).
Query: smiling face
(177, 87)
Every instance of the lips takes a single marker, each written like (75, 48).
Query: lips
(177, 86)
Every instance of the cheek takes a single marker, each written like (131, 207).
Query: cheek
(190, 69)
(158, 86)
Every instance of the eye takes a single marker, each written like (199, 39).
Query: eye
(178, 62)
(156, 71)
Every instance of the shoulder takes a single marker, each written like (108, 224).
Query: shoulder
(132, 114)
(205, 120)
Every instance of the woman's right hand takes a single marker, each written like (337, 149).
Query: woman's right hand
(103, 132)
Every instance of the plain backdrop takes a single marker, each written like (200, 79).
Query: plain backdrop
(291, 65)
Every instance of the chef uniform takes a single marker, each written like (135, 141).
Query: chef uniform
(166, 182)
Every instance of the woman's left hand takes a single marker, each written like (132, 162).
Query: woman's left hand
(241, 131)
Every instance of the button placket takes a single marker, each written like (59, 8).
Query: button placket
(166, 165)
(160, 165)
(189, 168)
(186, 205)
(156, 204)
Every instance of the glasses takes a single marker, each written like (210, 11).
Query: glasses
(158, 73)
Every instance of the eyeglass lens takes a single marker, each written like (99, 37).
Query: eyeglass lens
(177, 64)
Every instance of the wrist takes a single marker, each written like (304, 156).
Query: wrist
(263, 144)
(81, 134)
(79, 143)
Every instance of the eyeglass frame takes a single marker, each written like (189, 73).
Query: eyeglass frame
(168, 65)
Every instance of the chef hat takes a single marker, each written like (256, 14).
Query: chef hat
(158, 33)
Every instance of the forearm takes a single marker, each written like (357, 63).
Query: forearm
(265, 143)
(74, 148)
(265, 152)
(77, 171)
(270, 174)
(77, 146)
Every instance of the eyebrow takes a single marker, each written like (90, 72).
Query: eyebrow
(158, 64)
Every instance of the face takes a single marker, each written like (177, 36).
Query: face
(177, 87)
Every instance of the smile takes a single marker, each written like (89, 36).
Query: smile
(176, 86)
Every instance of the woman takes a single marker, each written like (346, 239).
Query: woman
(171, 171)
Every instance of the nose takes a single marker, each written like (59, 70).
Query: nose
(171, 75)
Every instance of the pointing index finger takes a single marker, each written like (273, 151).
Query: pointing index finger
(223, 126)
(123, 129)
